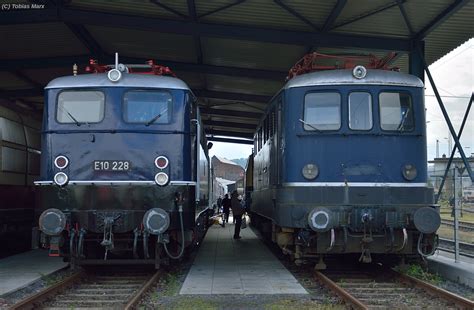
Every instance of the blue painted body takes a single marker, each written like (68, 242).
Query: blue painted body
(113, 139)
(369, 204)
(336, 151)
(86, 205)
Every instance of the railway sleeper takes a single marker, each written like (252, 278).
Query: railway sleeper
(96, 297)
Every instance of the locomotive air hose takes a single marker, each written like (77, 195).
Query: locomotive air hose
(182, 237)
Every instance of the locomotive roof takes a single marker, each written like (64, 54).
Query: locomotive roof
(344, 77)
(127, 80)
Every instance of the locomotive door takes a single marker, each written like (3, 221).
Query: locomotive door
(275, 118)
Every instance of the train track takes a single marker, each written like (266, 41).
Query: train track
(464, 226)
(97, 290)
(466, 249)
(383, 289)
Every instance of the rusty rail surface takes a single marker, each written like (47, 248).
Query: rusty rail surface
(346, 296)
(32, 301)
(133, 301)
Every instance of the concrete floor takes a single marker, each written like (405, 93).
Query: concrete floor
(20, 270)
(444, 264)
(227, 266)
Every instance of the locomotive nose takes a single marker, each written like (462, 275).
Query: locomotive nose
(427, 220)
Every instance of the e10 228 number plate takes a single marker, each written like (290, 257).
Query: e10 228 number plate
(111, 165)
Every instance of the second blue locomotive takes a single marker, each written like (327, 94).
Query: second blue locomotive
(339, 167)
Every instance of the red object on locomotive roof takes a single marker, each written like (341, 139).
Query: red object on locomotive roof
(149, 68)
(319, 62)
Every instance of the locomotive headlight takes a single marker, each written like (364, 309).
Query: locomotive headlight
(409, 172)
(61, 162)
(310, 171)
(359, 72)
(161, 178)
(52, 222)
(320, 220)
(161, 162)
(61, 178)
(156, 221)
(427, 220)
(114, 75)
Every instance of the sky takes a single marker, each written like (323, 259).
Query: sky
(453, 75)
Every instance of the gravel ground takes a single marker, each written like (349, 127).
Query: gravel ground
(44, 282)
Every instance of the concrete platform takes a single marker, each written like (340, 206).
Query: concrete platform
(246, 266)
(20, 270)
(443, 263)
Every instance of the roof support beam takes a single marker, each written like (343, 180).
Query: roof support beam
(367, 14)
(243, 114)
(211, 123)
(77, 16)
(231, 96)
(229, 140)
(222, 8)
(236, 134)
(296, 14)
(87, 39)
(63, 61)
(450, 10)
(336, 11)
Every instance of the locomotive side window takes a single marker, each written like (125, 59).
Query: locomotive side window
(322, 111)
(396, 111)
(80, 107)
(147, 107)
(360, 111)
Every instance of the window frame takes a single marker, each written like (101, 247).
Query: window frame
(334, 91)
(349, 109)
(411, 106)
(148, 90)
(70, 90)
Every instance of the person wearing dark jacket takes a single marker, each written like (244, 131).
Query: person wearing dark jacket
(237, 212)
(226, 208)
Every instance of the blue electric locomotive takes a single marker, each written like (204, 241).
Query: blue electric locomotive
(339, 167)
(124, 168)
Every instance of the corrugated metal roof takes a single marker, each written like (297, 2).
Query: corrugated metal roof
(38, 40)
(250, 54)
(451, 34)
(229, 64)
(133, 7)
(266, 13)
(146, 44)
(242, 85)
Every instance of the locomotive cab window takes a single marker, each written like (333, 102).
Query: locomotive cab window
(322, 111)
(396, 111)
(147, 107)
(80, 107)
(360, 111)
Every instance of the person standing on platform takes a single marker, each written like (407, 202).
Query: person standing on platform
(237, 212)
(226, 208)
(219, 203)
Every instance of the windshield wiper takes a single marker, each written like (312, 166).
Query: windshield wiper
(70, 116)
(154, 119)
(401, 127)
(309, 125)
